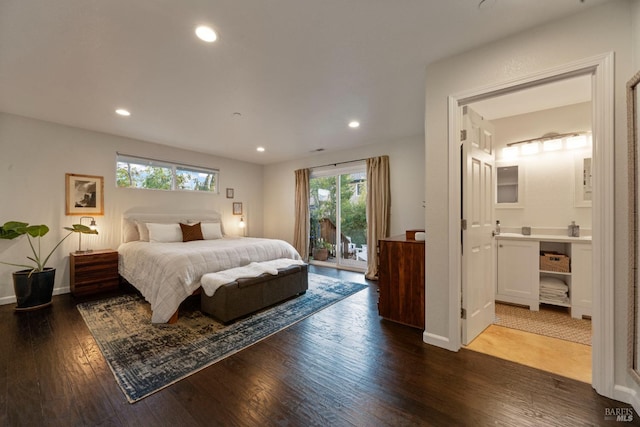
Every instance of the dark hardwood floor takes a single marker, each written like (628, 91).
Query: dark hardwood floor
(342, 366)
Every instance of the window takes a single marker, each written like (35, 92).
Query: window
(195, 179)
(140, 172)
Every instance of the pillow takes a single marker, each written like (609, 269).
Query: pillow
(129, 231)
(191, 232)
(143, 231)
(164, 232)
(211, 230)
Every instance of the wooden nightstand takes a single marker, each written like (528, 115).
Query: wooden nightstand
(93, 272)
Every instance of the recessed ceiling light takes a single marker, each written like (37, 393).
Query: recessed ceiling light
(206, 34)
(354, 124)
(123, 112)
(260, 149)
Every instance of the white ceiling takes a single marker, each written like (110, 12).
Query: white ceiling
(297, 71)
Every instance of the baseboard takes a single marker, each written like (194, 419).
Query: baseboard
(63, 290)
(627, 395)
(7, 300)
(12, 299)
(438, 341)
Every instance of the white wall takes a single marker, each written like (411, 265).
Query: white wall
(635, 13)
(596, 31)
(548, 195)
(35, 155)
(406, 164)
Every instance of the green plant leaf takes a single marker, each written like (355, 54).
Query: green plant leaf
(8, 234)
(37, 230)
(79, 228)
(12, 229)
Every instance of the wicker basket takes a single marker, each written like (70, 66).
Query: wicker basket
(554, 261)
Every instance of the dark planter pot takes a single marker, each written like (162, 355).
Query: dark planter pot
(321, 254)
(33, 291)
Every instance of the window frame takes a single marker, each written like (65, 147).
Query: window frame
(173, 168)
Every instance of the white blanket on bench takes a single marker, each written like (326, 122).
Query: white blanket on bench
(212, 281)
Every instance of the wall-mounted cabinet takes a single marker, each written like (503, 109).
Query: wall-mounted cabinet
(507, 184)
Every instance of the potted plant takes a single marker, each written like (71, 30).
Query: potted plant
(321, 250)
(34, 285)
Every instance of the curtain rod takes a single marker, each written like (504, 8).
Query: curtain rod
(169, 162)
(545, 138)
(338, 163)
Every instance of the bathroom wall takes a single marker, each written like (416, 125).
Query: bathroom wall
(550, 194)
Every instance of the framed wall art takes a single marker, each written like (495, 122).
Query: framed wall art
(237, 208)
(229, 193)
(84, 194)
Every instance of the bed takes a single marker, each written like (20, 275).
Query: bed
(165, 270)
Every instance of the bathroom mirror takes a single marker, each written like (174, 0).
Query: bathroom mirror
(634, 295)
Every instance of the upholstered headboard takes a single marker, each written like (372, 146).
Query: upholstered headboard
(131, 219)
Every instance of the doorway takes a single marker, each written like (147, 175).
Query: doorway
(600, 68)
(337, 210)
(542, 184)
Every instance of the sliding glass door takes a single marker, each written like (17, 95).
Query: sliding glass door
(337, 206)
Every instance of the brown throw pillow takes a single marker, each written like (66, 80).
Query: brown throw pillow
(191, 232)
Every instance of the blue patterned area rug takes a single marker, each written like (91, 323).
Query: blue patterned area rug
(146, 358)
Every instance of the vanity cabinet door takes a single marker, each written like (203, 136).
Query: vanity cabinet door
(518, 272)
(581, 283)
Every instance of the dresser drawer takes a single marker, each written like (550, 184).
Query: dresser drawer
(93, 272)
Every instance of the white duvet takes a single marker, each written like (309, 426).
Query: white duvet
(167, 273)
(210, 282)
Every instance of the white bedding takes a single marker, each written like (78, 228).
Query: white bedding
(167, 273)
(212, 281)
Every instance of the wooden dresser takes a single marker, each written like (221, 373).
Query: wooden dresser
(401, 280)
(93, 272)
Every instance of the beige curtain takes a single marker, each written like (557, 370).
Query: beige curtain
(302, 227)
(378, 205)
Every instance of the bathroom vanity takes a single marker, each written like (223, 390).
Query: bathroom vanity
(519, 274)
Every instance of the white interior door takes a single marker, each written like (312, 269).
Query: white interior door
(478, 253)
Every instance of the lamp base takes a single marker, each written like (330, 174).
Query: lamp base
(86, 251)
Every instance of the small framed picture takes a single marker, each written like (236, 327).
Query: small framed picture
(229, 193)
(84, 194)
(237, 208)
